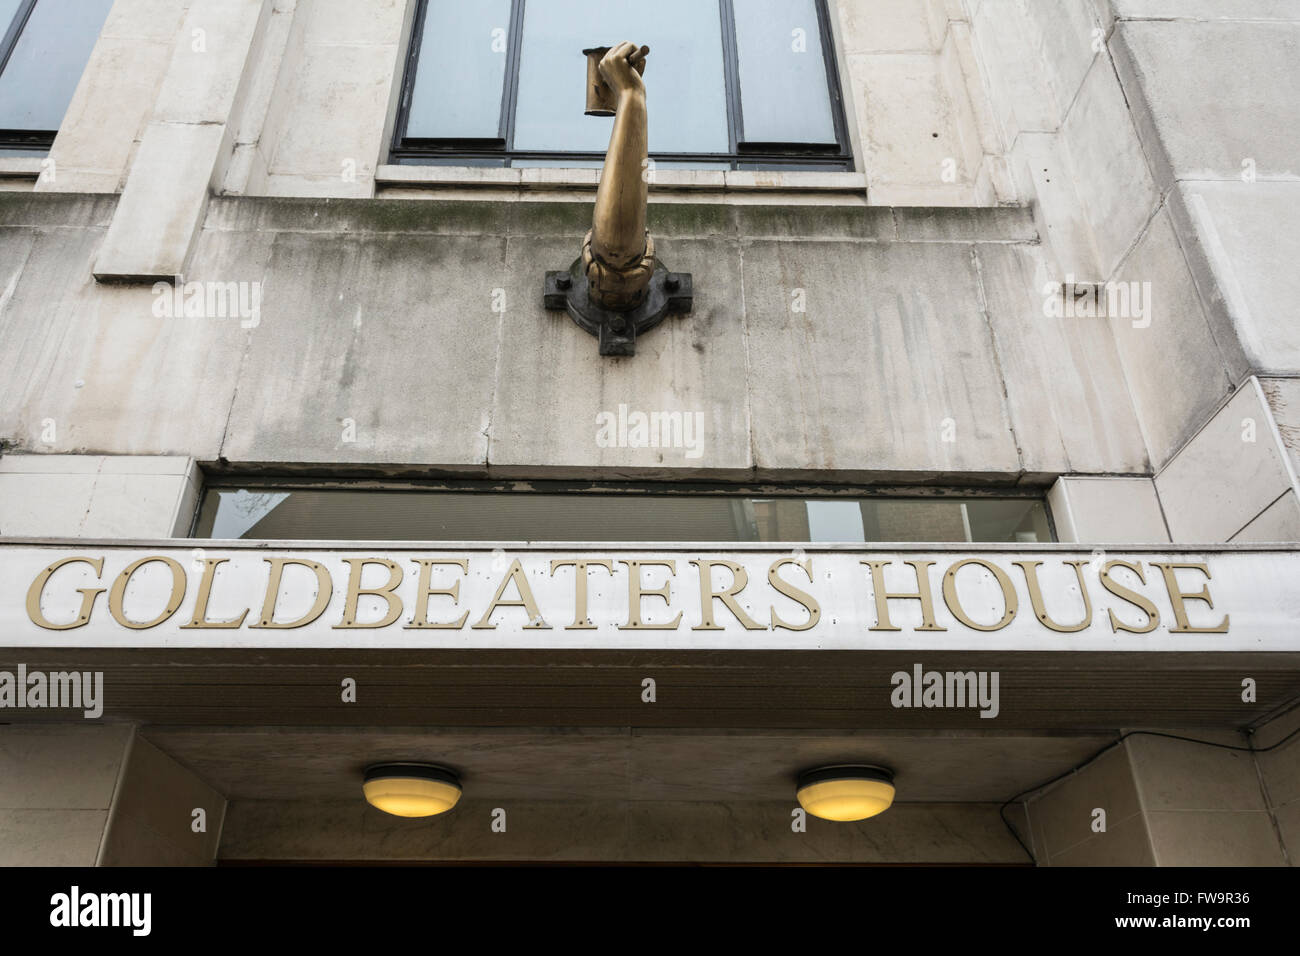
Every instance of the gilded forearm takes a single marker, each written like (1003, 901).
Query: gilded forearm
(619, 223)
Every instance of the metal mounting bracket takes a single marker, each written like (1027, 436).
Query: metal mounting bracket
(668, 292)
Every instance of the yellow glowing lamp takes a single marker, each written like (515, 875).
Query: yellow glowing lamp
(846, 793)
(411, 789)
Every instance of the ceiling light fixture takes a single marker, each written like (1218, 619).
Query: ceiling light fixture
(844, 793)
(411, 789)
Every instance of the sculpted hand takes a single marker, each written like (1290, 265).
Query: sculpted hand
(622, 67)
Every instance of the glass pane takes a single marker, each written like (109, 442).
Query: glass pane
(685, 88)
(238, 511)
(48, 61)
(834, 521)
(341, 515)
(680, 164)
(902, 519)
(461, 70)
(783, 92)
(1016, 520)
(557, 163)
(948, 519)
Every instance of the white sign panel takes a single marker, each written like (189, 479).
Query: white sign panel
(622, 597)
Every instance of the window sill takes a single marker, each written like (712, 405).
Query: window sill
(544, 178)
(21, 167)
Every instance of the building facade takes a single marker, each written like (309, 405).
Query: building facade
(992, 368)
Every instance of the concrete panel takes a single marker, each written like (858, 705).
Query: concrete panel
(60, 767)
(910, 128)
(1227, 475)
(95, 496)
(1280, 521)
(339, 105)
(1107, 510)
(57, 783)
(402, 345)
(911, 364)
(264, 68)
(880, 26)
(1177, 775)
(209, 65)
(1043, 169)
(185, 149)
(131, 843)
(1288, 825)
(345, 21)
(153, 822)
(1013, 68)
(1280, 767)
(1214, 838)
(100, 359)
(1066, 391)
(1063, 816)
(1069, 46)
(1175, 367)
(162, 206)
(693, 365)
(1110, 169)
(50, 837)
(615, 831)
(1203, 9)
(1242, 246)
(554, 764)
(1127, 843)
(98, 362)
(1210, 94)
(112, 104)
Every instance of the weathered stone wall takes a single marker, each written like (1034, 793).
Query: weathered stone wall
(833, 342)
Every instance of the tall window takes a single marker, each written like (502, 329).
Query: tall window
(731, 84)
(44, 50)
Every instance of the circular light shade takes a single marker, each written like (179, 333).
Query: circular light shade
(411, 789)
(846, 793)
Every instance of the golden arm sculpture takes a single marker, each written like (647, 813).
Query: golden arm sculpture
(617, 288)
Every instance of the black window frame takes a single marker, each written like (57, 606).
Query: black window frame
(499, 151)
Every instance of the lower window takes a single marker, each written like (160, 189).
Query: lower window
(339, 514)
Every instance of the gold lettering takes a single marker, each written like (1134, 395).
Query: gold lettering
(118, 594)
(356, 567)
(420, 620)
(1177, 596)
(1004, 582)
(739, 578)
(516, 574)
(324, 591)
(1040, 607)
(792, 592)
(200, 618)
(883, 597)
(1132, 597)
(580, 621)
(88, 595)
(636, 591)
